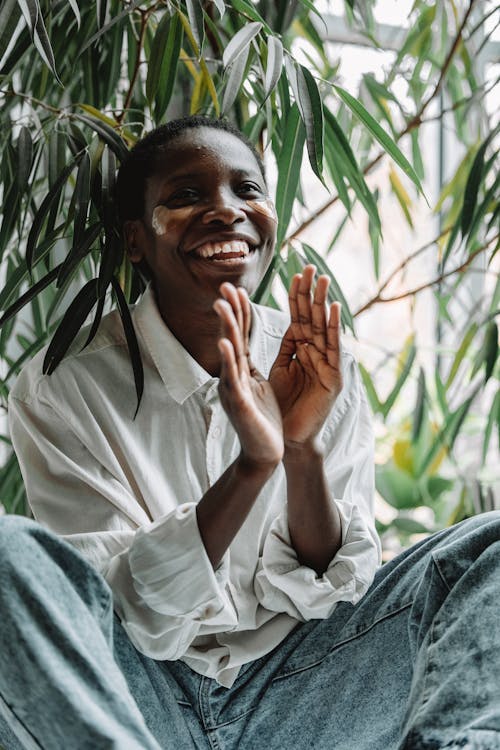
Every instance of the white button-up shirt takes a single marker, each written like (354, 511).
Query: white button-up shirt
(124, 491)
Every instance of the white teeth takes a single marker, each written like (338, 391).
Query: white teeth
(216, 248)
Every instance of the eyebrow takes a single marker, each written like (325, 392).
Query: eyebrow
(173, 178)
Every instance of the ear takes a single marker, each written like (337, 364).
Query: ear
(132, 231)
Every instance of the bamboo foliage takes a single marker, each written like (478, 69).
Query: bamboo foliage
(80, 83)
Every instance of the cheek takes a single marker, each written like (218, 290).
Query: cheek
(264, 207)
(164, 219)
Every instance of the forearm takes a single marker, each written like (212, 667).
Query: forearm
(223, 509)
(313, 519)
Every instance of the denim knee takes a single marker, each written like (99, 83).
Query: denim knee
(31, 557)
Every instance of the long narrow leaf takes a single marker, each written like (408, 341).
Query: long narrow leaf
(24, 158)
(168, 69)
(108, 135)
(51, 197)
(234, 80)
(274, 65)
(10, 13)
(195, 15)
(389, 402)
(30, 295)
(72, 321)
(116, 19)
(240, 42)
(78, 252)
(289, 164)
(472, 188)
(311, 109)
(380, 135)
(156, 56)
(132, 343)
(42, 43)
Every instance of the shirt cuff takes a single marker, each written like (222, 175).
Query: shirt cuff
(172, 573)
(282, 584)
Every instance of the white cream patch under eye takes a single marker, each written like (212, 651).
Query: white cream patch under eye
(265, 207)
(164, 217)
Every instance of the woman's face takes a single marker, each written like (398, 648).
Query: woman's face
(208, 219)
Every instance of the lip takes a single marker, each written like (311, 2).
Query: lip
(252, 242)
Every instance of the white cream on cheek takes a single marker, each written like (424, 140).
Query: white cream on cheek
(163, 218)
(265, 207)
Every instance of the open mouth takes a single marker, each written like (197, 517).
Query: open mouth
(223, 250)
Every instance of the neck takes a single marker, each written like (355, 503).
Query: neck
(197, 329)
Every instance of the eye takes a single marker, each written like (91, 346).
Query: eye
(182, 196)
(249, 188)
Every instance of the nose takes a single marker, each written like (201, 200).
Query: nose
(223, 210)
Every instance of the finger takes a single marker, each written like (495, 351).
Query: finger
(246, 310)
(304, 302)
(319, 318)
(294, 307)
(232, 331)
(287, 349)
(333, 352)
(229, 375)
(230, 294)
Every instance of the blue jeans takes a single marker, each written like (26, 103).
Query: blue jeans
(414, 665)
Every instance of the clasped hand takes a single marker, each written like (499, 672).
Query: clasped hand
(287, 411)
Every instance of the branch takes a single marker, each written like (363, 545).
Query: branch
(140, 42)
(415, 121)
(460, 269)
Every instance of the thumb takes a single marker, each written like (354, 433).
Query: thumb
(287, 349)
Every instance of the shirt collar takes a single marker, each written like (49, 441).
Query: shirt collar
(180, 372)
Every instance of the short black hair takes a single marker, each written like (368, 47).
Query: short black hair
(141, 161)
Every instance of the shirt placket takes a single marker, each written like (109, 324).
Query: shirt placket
(214, 434)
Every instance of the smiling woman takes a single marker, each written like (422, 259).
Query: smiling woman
(220, 585)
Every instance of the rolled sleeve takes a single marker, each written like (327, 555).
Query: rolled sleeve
(284, 585)
(185, 585)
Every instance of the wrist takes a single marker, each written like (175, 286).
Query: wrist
(303, 454)
(250, 468)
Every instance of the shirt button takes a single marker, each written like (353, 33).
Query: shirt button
(217, 432)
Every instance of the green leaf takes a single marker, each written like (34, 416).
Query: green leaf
(311, 110)
(472, 189)
(168, 67)
(418, 413)
(195, 15)
(461, 352)
(249, 10)
(493, 418)
(221, 6)
(240, 42)
(265, 285)
(397, 487)
(447, 435)
(72, 321)
(24, 158)
(488, 352)
(116, 19)
(274, 65)
(337, 141)
(42, 43)
(289, 164)
(51, 197)
(30, 10)
(375, 403)
(334, 292)
(10, 14)
(410, 358)
(409, 526)
(155, 62)
(76, 11)
(379, 134)
(234, 79)
(82, 197)
(78, 252)
(28, 296)
(133, 346)
(107, 134)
